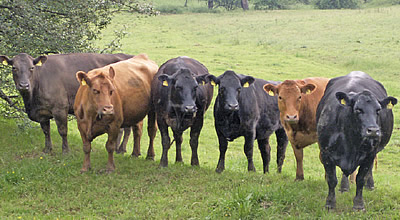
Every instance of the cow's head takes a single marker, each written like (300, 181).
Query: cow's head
(365, 110)
(24, 68)
(101, 90)
(230, 85)
(182, 86)
(289, 94)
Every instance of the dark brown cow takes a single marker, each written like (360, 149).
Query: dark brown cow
(298, 101)
(47, 85)
(111, 97)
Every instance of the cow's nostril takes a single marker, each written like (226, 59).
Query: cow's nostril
(190, 108)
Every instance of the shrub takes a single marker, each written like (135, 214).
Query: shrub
(336, 4)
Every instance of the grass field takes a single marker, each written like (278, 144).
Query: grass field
(273, 45)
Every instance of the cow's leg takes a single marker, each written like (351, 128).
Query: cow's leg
(223, 146)
(47, 138)
(126, 132)
(151, 131)
(330, 175)
(298, 153)
(165, 141)
(86, 148)
(370, 185)
(248, 150)
(137, 135)
(344, 184)
(110, 147)
(62, 126)
(358, 203)
(282, 141)
(178, 145)
(265, 150)
(194, 139)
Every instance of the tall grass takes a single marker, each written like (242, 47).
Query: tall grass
(275, 45)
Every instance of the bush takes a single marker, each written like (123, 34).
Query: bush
(277, 4)
(337, 4)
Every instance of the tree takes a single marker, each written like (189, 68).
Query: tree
(228, 4)
(245, 4)
(54, 26)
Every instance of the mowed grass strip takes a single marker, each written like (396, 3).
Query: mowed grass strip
(273, 45)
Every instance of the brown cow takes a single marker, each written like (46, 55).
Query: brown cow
(298, 101)
(117, 95)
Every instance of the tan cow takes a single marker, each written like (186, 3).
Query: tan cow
(117, 95)
(297, 102)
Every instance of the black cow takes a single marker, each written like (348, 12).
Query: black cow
(180, 97)
(354, 123)
(242, 108)
(48, 86)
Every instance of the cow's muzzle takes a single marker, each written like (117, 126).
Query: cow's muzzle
(291, 119)
(190, 109)
(107, 110)
(232, 107)
(23, 86)
(372, 132)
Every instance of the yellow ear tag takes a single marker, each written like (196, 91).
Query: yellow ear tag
(203, 83)
(213, 83)
(165, 83)
(39, 63)
(390, 105)
(343, 102)
(271, 93)
(83, 82)
(246, 85)
(5, 63)
(308, 91)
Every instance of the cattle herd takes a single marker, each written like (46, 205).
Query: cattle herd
(350, 117)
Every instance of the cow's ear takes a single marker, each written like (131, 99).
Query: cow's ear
(388, 102)
(40, 60)
(270, 89)
(165, 79)
(308, 89)
(213, 80)
(5, 60)
(83, 79)
(343, 98)
(201, 80)
(246, 81)
(111, 72)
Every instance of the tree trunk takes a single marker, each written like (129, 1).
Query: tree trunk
(186, 3)
(245, 5)
(210, 4)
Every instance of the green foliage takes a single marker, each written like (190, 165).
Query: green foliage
(276, 4)
(54, 26)
(337, 4)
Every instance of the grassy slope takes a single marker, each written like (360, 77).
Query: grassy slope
(273, 45)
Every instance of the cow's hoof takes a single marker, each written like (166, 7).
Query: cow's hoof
(219, 170)
(279, 169)
(119, 151)
(358, 208)
(344, 189)
(330, 207)
(150, 158)
(47, 150)
(299, 178)
(163, 165)
(84, 170)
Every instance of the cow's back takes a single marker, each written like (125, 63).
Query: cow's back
(56, 84)
(133, 83)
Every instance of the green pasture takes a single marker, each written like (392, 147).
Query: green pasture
(273, 45)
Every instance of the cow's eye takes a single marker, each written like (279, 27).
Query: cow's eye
(239, 89)
(111, 92)
(280, 97)
(359, 111)
(378, 111)
(95, 91)
(32, 68)
(178, 88)
(299, 98)
(14, 68)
